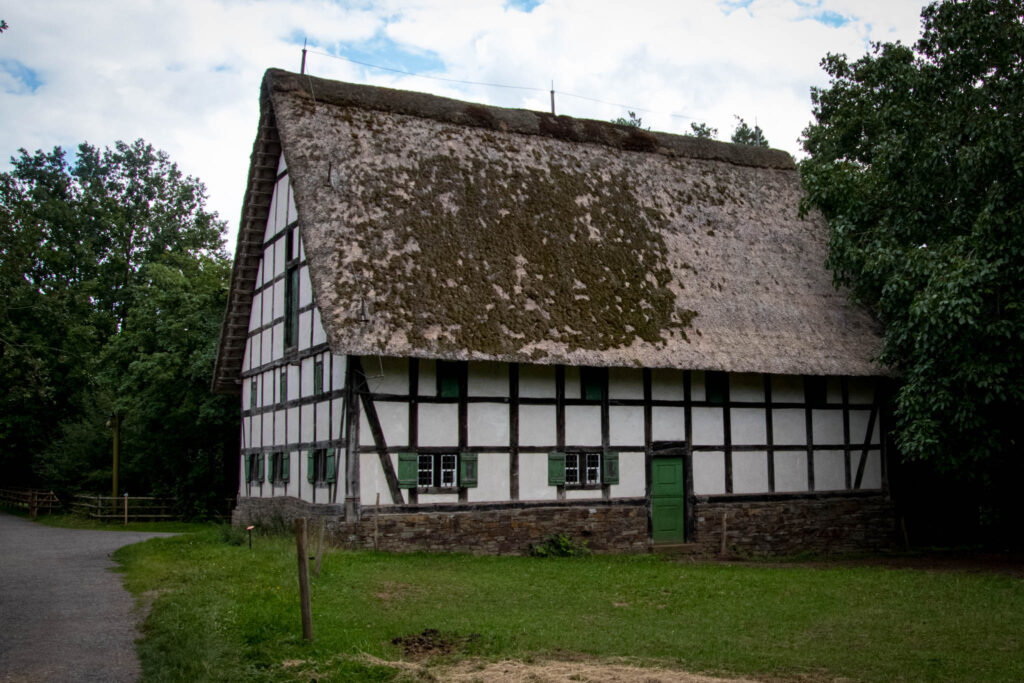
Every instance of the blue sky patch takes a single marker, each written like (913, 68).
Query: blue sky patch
(22, 74)
(730, 6)
(379, 51)
(524, 5)
(830, 18)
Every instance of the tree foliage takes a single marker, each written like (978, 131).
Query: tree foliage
(113, 280)
(745, 135)
(703, 131)
(632, 121)
(916, 159)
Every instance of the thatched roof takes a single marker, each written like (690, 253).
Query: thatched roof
(474, 232)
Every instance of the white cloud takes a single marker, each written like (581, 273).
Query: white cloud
(185, 75)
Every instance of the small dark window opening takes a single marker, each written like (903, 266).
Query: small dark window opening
(291, 307)
(593, 383)
(279, 466)
(255, 476)
(289, 244)
(716, 387)
(438, 470)
(318, 377)
(815, 390)
(283, 385)
(253, 392)
(451, 378)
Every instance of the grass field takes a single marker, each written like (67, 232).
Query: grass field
(223, 612)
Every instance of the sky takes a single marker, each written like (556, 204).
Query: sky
(185, 74)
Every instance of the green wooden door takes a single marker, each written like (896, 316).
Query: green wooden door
(667, 496)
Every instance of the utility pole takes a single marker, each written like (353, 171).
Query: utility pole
(303, 69)
(552, 98)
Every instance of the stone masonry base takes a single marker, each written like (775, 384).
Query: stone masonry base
(755, 525)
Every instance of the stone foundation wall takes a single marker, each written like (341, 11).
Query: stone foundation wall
(755, 525)
(504, 528)
(759, 525)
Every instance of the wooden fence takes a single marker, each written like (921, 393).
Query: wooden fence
(131, 508)
(34, 500)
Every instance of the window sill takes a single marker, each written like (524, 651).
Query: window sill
(439, 489)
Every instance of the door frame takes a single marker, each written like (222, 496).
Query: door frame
(673, 449)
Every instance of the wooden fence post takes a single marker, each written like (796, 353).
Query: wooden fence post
(300, 546)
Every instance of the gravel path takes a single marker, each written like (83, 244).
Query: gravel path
(64, 616)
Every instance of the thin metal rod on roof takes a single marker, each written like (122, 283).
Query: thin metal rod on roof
(302, 70)
(552, 98)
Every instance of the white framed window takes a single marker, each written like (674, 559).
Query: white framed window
(583, 468)
(437, 470)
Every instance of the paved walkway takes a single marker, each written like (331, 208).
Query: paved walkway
(64, 616)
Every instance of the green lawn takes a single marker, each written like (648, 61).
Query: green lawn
(223, 612)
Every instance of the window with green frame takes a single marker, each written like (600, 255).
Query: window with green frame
(582, 468)
(322, 466)
(280, 468)
(254, 468)
(437, 470)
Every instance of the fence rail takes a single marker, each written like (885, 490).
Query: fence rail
(130, 508)
(34, 500)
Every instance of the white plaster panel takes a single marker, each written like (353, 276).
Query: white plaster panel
(246, 432)
(583, 494)
(537, 381)
(277, 341)
(488, 424)
(492, 478)
(667, 385)
(328, 373)
(278, 299)
(279, 253)
(438, 424)
(306, 377)
(572, 382)
(790, 471)
(292, 214)
(859, 427)
(537, 427)
(323, 421)
(266, 348)
(697, 392)
(393, 417)
(625, 383)
(246, 356)
(271, 229)
(827, 426)
(434, 498)
(268, 430)
(337, 405)
(625, 426)
(256, 432)
(306, 433)
(305, 287)
(281, 167)
(293, 381)
(305, 327)
(279, 428)
(862, 389)
(668, 423)
(338, 371)
(293, 424)
(833, 390)
(371, 481)
(256, 357)
(256, 312)
(267, 303)
(787, 389)
(789, 426)
(487, 379)
(708, 427)
(708, 472)
(872, 478)
(428, 378)
(281, 205)
(632, 476)
(583, 425)
(746, 386)
(748, 426)
(533, 477)
(386, 375)
(829, 471)
(319, 335)
(247, 393)
(267, 388)
(275, 377)
(749, 472)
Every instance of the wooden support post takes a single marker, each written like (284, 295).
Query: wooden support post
(300, 546)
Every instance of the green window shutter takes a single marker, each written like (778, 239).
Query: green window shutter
(310, 466)
(556, 469)
(407, 470)
(262, 461)
(332, 465)
(610, 468)
(286, 467)
(248, 467)
(318, 377)
(467, 469)
(252, 393)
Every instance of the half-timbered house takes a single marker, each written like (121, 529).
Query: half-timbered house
(455, 326)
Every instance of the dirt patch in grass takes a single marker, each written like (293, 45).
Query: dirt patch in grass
(390, 591)
(548, 671)
(431, 643)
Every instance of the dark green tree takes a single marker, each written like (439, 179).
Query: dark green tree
(745, 135)
(88, 253)
(916, 160)
(703, 131)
